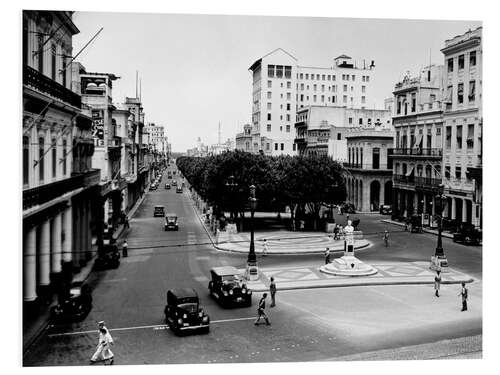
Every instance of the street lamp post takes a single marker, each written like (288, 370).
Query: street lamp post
(439, 260)
(252, 269)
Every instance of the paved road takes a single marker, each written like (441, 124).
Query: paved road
(309, 325)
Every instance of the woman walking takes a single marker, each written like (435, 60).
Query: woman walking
(103, 351)
(437, 283)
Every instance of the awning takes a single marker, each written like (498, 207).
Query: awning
(410, 171)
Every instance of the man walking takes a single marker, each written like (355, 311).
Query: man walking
(261, 312)
(125, 248)
(265, 249)
(386, 238)
(464, 293)
(103, 351)
(272, 289)
(437, 283)
(327, 255)
(127, 224)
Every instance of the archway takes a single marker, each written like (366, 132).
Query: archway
(374, 195)
(388, 192)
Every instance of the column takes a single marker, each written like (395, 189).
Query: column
(68, 235)
(424, 205)
(381, 199)
(464, 210)
(44, 255)
(29, 262)
(453, 209)
(433, 206)
(55, 240)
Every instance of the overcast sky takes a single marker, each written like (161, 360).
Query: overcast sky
(194, 68)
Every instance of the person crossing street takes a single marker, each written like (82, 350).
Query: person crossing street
(261, 311)
(464, 293)
(437, 283)
(327, 255)
(125, 249)
(103, 352)
(272, 289)
(265, 249)
(386, 238)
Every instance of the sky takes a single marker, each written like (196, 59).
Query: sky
(194, 68)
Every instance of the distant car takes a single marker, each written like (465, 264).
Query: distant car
(159, 211)
(184, 313)
(348, 208)
(75, 306)
(171, 221)
(179, 189)
(174, 183)
(169, 176)
(467, 235)
(153, 186)
(386, 209)
(109, 257)
(167, 186)
(228, 288)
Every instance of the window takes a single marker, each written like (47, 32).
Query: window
(458, 173)
(288, 117)
(413, 102)
(317, 77)
(53, 62)
(307, 76)
(448, 137)
(65, 143)
(345, 88)
(363, 89)
(363, 100)
(302, 86)
(54, 157)
(269, 106)
(270, 71)
(281, 128)
(447, 171)
(350, 120)
(268, 146)
(352, 88)
(288, 128)
(461, 59)
(398, 110)
(450, 65)
(322, 98)
(279, 71)
(40, 53)
(459, 137)
(294, 147)
(360, 121)
(282, 146)
(289, 85)
(329, 77)
(288, 72)
(281, 84)
(314, 98)
(428, 76)
(268, 127)
(312, 77)
(470, 136)
(344, 99)
(472, 58)
(269, 94)
(333, 99)
(361, 157)
(333, 78)
(322, 88)
(347, 77)
(363, 78)
(275, 147)
(472, 91)
(26, 160)
(339, 136)
(268, 117)
(315, 87)
(288, 96)
(301, 75)
(376, 158)
(438, 131)
(323, 77)
(288, 106)
(301, 97)
(269, 84)
(41, 169)
(460, 93)
(367, 79)
(353, 76)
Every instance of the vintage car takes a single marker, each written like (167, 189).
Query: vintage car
(184, 313)
(159, 211)
(179, 189)
(167, 186)
(169, 176)
(385, 209)
(228, 288)
(467, 235)
(75, 306)
(174, 183)
(109, 257)
(171, 221)
(153, 186)
(416, 224)
(348, 208)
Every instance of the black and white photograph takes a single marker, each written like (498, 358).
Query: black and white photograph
(203, 188)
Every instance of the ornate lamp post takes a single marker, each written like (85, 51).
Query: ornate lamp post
(439, 260)
(231, 186)
(252, 270)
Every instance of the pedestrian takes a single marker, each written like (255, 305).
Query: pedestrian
(336, 232)
(406, 225)
(103, 351)
(386, 238)
(265, 249)
(127, 224)
(327, 255)
(341, 210)
(347, 217)
(125, 248)
(272, 289)
(261, 311)
(464, 293)
(437, 283)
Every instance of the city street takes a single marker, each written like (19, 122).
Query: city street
(315, 324)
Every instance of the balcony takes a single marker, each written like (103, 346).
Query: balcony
(418, 152)
(45, 193)
(36, 80)
(418, 181)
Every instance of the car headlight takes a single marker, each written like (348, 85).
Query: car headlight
(200, 314)
(231, 292)
(179, 321)
(225, 293)
(249, 291)
(205, 318)
(243, 291)
(184, 316)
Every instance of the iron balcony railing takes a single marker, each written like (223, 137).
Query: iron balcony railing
(45, 193)
(416, 180)
(437, 152)
(33, 78)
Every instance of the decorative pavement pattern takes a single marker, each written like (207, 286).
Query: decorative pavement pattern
(388, 274)
(284, 242)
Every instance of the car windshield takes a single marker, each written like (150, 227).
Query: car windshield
(75, 292)
(189, 307)
(172, 219)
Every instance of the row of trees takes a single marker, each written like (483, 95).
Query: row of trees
(302, 183)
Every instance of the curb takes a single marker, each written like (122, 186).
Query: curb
(430, 231)
(202, 223)
(368, 244)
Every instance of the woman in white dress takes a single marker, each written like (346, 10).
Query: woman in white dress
(103, 352)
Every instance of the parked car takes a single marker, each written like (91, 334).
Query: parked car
(174, 183)
(348, 208)
(228, 288)
(109, 257)
(76, 306)
(179, 189)
(153, 186)
(171, 221)
(468, 235)
(184, 313)
(159, 211)
(416, 224)
(385, 209)
(167, 186)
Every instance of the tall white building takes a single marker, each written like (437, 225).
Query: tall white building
(158, 138)
(281, 87)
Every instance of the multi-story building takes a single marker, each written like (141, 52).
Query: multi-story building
(158, 138)
(281, 87)
(369, 167)
(462, 127)
(417, 152)
(244, 139)
(58, 180)
(314, 124)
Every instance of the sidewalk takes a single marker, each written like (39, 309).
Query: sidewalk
(34, 328)
(426, 230)
(397, 273)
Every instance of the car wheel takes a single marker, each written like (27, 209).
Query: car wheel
(206, 330)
